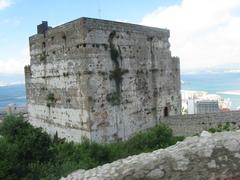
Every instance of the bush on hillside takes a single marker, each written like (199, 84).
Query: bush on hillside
(29, 153)
(27, 145)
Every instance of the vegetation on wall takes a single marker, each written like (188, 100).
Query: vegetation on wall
(117, 72)
(221, 127)
(51, 100)
(43, 57)
(29, 153)
(113, 98)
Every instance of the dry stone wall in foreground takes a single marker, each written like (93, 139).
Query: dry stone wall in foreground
(210, 156)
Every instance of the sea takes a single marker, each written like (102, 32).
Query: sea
(227, 85)
(12, 94)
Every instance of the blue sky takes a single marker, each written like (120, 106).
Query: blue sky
(19, 20)
(204, 34)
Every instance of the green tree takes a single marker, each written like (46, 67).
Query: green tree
(29, 153)
(27, 145)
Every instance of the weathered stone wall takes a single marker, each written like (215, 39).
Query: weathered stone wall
(213, 157)
(101, 79)
(191, 124)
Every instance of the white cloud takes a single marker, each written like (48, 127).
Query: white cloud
(15, 65)
(4, 4)
(204, 33)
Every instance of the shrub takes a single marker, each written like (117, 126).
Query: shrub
(8, 163)
(155, 138)
(35, 144)
(28, 153)
(26, 145)
(221, 128)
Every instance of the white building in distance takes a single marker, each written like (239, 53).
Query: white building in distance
(195, 102)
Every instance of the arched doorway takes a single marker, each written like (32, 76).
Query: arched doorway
(166, 113)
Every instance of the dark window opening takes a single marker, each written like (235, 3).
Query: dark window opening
(43, 45)
(64, 37)
(166, 112)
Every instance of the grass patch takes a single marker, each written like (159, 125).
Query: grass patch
(221, 127)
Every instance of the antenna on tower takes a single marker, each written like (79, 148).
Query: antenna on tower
(99, 9)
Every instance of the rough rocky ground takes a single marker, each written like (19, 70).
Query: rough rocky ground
(210, 156)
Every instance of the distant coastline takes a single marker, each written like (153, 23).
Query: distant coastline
(232, 92)
(224, 84)
(12, 94)
(4, 84)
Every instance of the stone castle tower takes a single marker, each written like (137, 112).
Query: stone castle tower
(101, 79)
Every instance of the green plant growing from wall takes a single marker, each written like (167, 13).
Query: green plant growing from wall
(117, 74)
(113, 98)
(221, 128)
(51, 100)
(43, 57)
(114, 55)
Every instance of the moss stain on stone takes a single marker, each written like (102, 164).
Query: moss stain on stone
(117, 73)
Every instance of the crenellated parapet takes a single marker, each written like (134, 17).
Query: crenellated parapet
(27, 70)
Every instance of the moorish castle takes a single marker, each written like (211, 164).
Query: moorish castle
(99, 79)
(105, 81)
